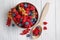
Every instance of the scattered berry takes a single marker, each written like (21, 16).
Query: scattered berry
(44, 23)
(44, 28)
(25, 32)
(13, 25)
(22, 5)
(28, 35)
(8, 21)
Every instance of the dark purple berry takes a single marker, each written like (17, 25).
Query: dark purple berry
(28, 35)
(33, 20)
(13, 25)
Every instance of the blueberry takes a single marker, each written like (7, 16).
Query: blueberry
(20, 24)
(33, 20)
(26, 23)
(30, 13)
(25, 5)
(28, 35)
(13, 14)
(13, 25)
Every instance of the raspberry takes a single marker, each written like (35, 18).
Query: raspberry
(25, 32)
(44, 23)
(8, 21)
(45, 28)
(29, 5)
(32, 8)
(27, 9)
(22, 5)
(18, 16)
(36, 31)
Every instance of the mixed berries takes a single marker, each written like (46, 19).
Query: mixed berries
(37, 31)
(25, 15)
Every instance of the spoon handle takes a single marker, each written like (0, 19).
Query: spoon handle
(44, 12)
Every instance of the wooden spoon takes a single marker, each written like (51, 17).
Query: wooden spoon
(43, 14)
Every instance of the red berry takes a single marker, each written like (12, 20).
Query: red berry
(13, 10)
(32, 8)
(36, 31)
(30, 17)
(22, 5)
(31, 23)
(45, 28)
(8, 21)
(15, 20)
(29, 26)
(44, 23)
(18, 16)
(25, 32)
(27, 9)
(24, 20)
(29, 5)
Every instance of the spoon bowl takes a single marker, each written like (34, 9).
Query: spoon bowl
(39, 33)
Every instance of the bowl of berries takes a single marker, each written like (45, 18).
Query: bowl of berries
(25, 15)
